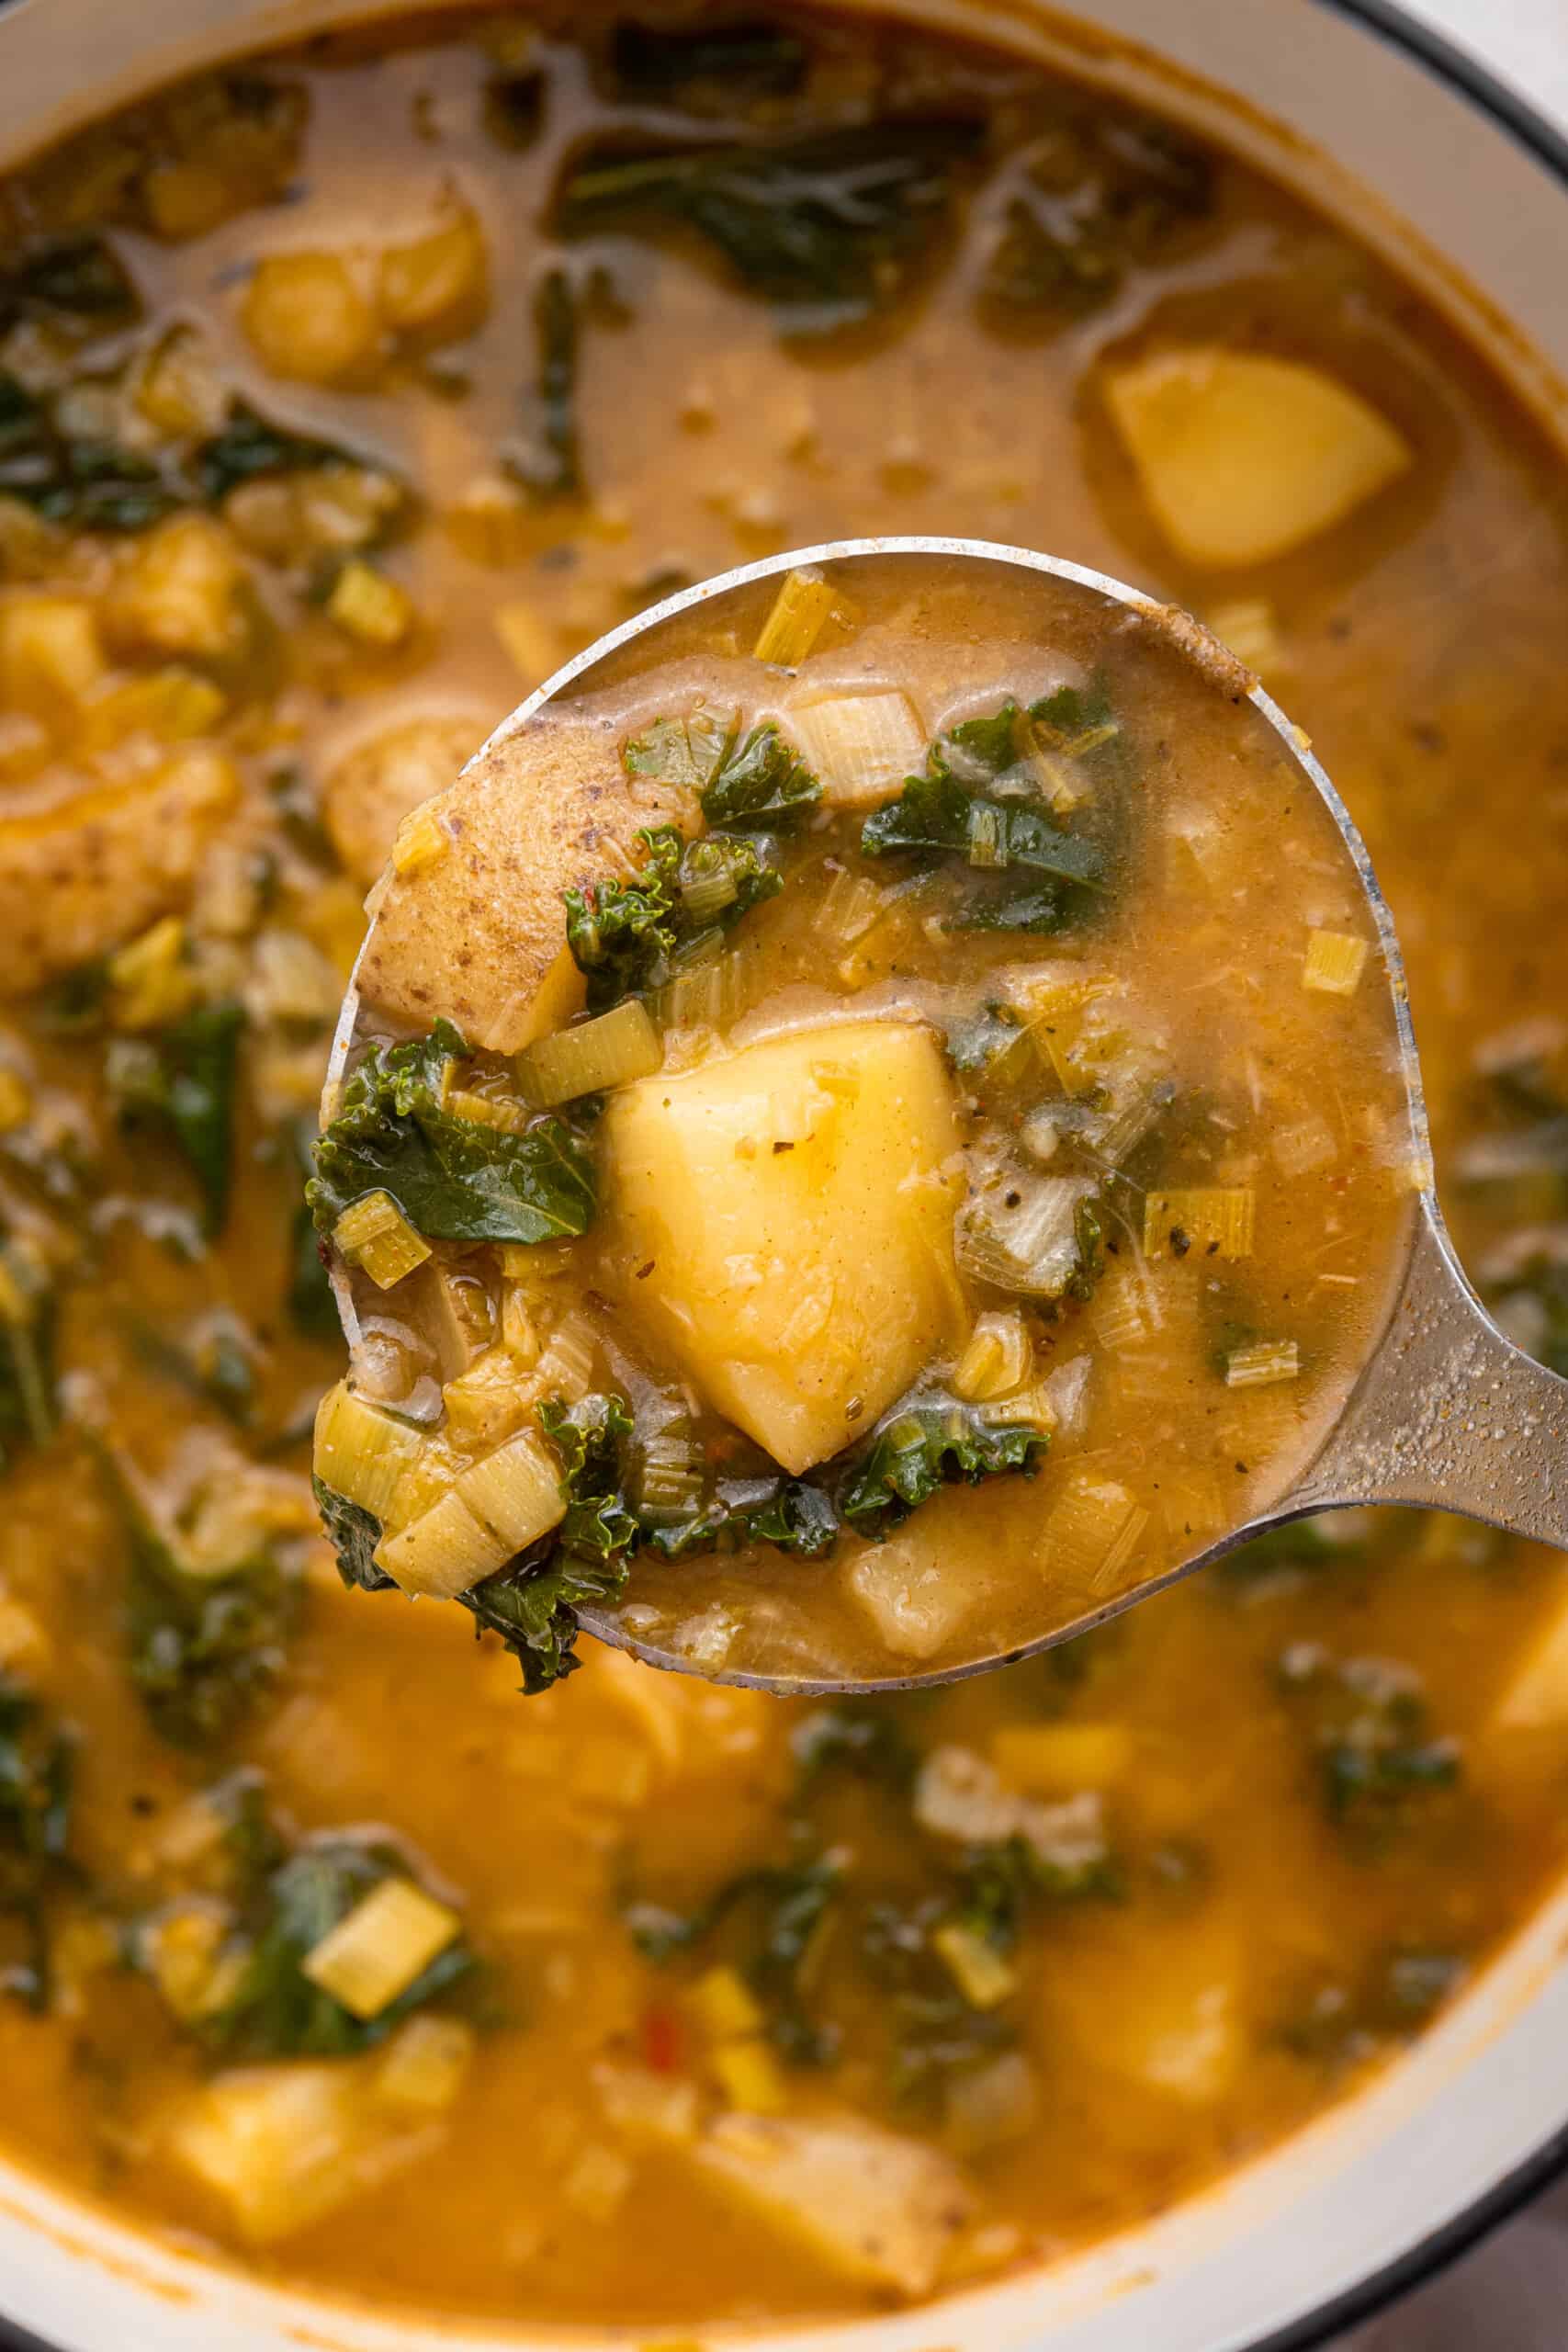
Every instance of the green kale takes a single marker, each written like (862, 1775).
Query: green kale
(770, 1921)
(1378, 1760)
(935, 2033)
(354, 1533)
(751, 57)
(205, 1646)
(827, 227)
(36, 1761)
(26, 1356)
(761, 782)
(85, 484)
(867, 1742)
(550, 463)
(533, 1605)
(275, 2010)
(685, 752)
(455, 1180)
(998, 1885)
(1337, 2025)
(75, 280)
(249, 447)
(1105, 195)
(926, 1444)
(629, 938)
(312, 1310)
(790, 1513)
(181, 1083)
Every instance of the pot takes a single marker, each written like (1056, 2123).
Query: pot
(1465, 189)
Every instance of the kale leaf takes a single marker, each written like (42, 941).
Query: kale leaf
(631, 937)
(980, 799)
(1377, 1757)
(771, 1917)
(78, 279)
(26, 1356)
(354, 1533)
(249, 446)
(790, 1513)
(1106, 194)
(455, 1180)
(275, 2009)
(827, 227)
(549, 463)
(181, 1082)
(36, 1761)
(205, 1646)
(751, 57)
(83, 483)
(865, 1741)
(761, 782)
(923, 1446)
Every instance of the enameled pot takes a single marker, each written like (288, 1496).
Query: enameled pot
(1468, 190)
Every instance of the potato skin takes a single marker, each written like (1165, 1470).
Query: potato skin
(79, 878)
(478, 934)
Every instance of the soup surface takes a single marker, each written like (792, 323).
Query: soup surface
(342, 395)
(930, 1108)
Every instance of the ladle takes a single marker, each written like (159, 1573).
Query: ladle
(1446, 1412)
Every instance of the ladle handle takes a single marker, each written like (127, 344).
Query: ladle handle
(1450, 1414)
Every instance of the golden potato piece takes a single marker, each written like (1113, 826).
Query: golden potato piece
(1169, 2018)
(372, 789)
(868, 2204)
(781, 1221)
(476, 934)
(1535, 1698)
(1243, 458)
(79, 878)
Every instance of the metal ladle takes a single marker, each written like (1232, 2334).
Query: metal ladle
(1446, 1413)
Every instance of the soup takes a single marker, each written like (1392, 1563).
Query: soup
(929, 1120)
(343, 396)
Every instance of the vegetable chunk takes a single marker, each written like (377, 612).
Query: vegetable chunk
(1243, 457)
(781, 1221)
(479, 936)
(869, 2204)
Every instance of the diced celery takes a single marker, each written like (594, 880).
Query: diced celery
(749, 2077)
(374, 1953)
(489, 1110)
(853, 906)
(442, 1553)
(426, 2062)
(1261, 1366)
(1204, 1220)
(376, 610)
(566, 1368)
(861, 746)
(724, 2006)
(373, 1233)
(1334, 962)
(620, 1046)
(1091, 1532)
(798, 617)
(362, 1452)
(153, 977)
(517, 1490)
(997, 1359)
(978, 1969)
(1021, 1235)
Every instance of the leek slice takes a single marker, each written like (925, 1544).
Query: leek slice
(361, 1453)
(442, 1553)
(1262, 1367)
(1210, 1220)
(379, 1948)
(1334, 962)
(799, 615)
(374, 1234)
(861, 746)
(619, 1047)
(517, 1490)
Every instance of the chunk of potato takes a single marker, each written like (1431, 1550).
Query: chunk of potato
(869, 2205)
(79, 878)
(371, 790)
(1162, 2013)
(281, 2147)
(1535, 1697)
(917, 1589)
(1243, 457)
(781, 1222)
(305, 316)
(478, 934)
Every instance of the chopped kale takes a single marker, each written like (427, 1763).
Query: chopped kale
(998, 1885)
(77, 280)
(751, 57)
(251, 447)
(36, 1760)
(935, 2033)
(550, 462)
(275, 2009)
(791, 1513)
(980, 799)
(181, 1082)
(1377, 1760)
(867, 1742)
(925, 1445)
(769, 1920)
(760, 783)
(1104, 194)
(1338, 2025)
(353, 1534)
(827, 227)
(514, 107)
(631, 937)
(27, 1355)
(205, 1645)
(683, 751)
(85, 484)
(455, 1180)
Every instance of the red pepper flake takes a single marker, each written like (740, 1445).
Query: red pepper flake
(661, 2039)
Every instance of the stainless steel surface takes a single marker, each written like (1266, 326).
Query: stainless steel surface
(1445, 1411)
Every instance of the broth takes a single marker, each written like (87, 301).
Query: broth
(1024, 1959)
